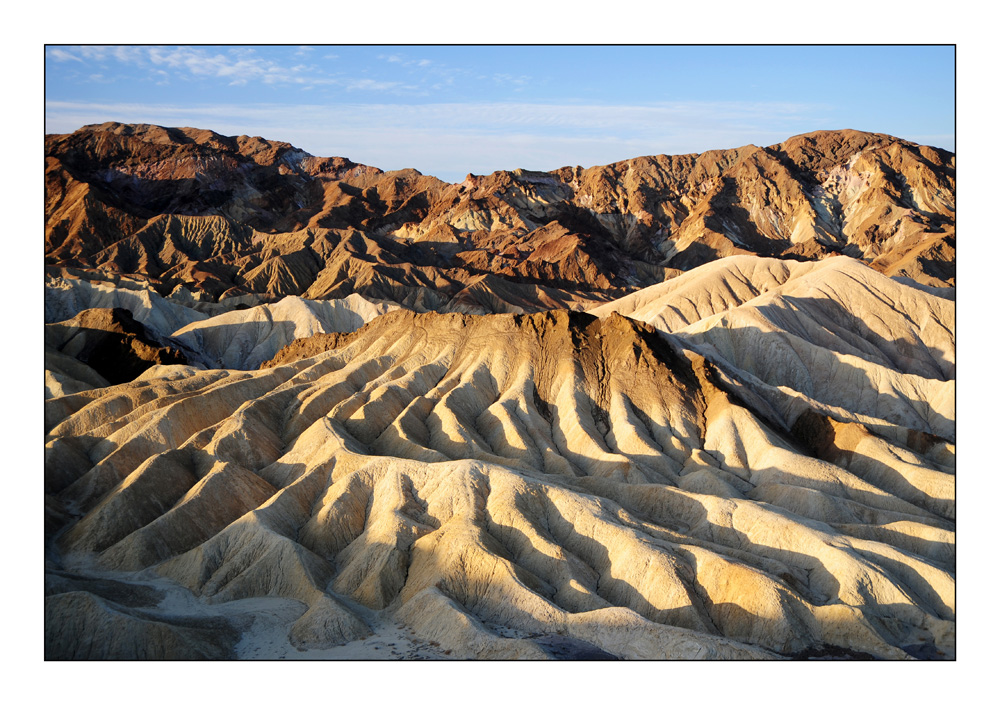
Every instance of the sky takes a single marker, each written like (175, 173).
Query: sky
(451, 110)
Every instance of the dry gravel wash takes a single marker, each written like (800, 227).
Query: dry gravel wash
(507, 486)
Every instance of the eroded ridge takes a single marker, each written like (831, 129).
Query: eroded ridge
(493, 483)
(834, 336)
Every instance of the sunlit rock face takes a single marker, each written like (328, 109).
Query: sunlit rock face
(366, 454)
(230, 216)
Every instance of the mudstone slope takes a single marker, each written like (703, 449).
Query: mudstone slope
(676, 407)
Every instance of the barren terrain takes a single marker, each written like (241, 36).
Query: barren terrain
(679, 407)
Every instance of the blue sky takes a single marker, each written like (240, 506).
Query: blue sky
(448, 111)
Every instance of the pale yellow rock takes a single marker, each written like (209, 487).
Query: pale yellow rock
(244, 339)
(836, 332)
(504, 483)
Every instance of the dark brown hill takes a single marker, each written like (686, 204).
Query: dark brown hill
(237, 215)
(111, 342)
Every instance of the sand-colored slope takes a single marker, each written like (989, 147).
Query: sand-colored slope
(496, 482)
(244, 339)
(223, 334)
(833, 335)
(702, 292)
(65, 374)
(67, 297)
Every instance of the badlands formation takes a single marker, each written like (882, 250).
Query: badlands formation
(689, 407)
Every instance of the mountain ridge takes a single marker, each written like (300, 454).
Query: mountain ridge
(249, 216)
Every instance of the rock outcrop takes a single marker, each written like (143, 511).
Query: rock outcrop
(237, 216)
(245, 339)
(834, 335)
(492, 480)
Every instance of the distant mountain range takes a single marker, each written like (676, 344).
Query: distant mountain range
(230, 216)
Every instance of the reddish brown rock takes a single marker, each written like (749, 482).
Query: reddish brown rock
(110, 341)
(241, 215)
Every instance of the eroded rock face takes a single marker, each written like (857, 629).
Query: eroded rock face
(245, 339)
(546, 474)
(834, 335)
(236, 216)
(111, 342)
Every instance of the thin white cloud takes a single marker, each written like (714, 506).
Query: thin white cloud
(236, 66)
(95, 53)
(508, 79)
(127, 54)
(242, 66)
(368, 84)
(60, 55)
(403, 60)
